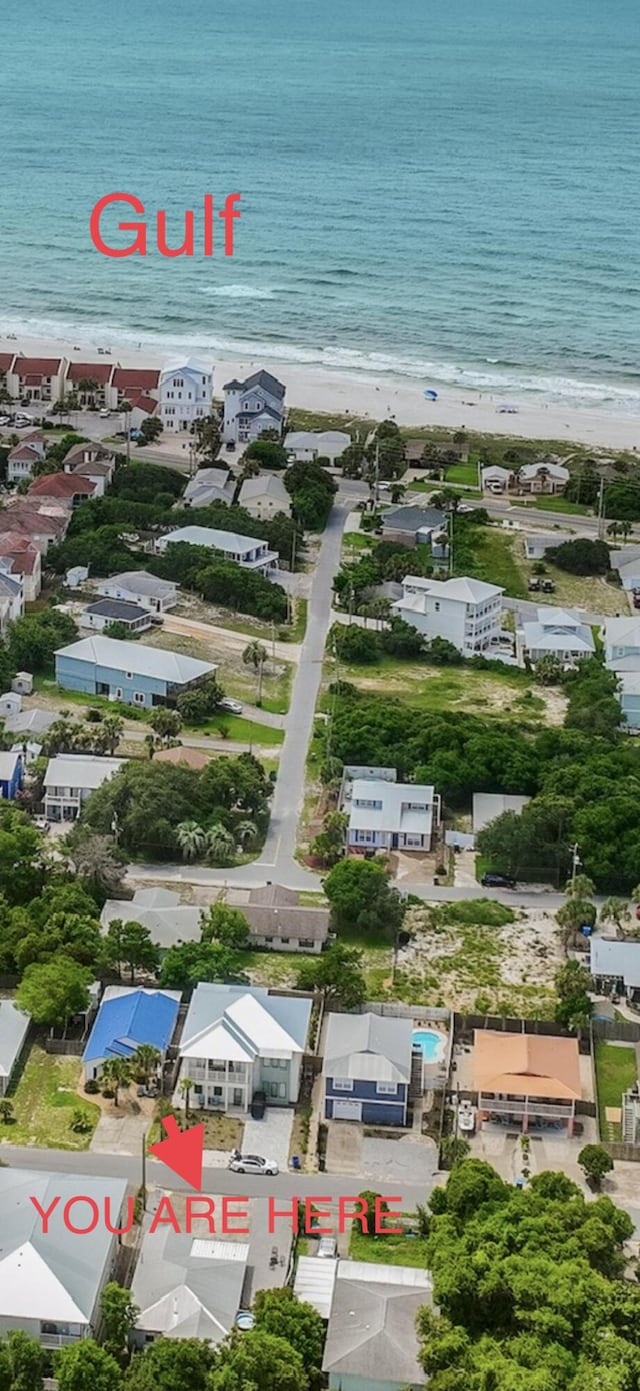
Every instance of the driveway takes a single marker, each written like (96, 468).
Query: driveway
(270, 1137)
(120, 1134)
(403, 1161)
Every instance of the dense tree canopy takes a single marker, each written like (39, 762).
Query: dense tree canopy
(312, 490)
(528, 1287)
(581, 557)
(362, 899)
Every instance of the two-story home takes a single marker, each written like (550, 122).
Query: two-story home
(251, 407)
(558, 633)
(413, 526)
(247, 551)
(140, 587)
(627, 563)
(89, 381)
(11, 774)
(186, 393)
(128, 671)
(265, 496)
(51, 1278)
(614, 966)
(525, 1080)
(24, 456)
(207, 486)
(128, 1018)
(466, 612)
(69, 781)
(66, 489)
(367, 1069)
(36, 378)
(132, 384)
(91, 461)
(303, 446)
(238, 1040)
(389, 815)
(11, 596)
(42, 524)
(21, 558)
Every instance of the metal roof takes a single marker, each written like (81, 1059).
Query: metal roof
(14, 1025)
(210, 536)
(372, 1334)
(247, 1021)
(155, 662)
(80, 770)
(368, 1047)
(610, 957)
(188, 1288)
(140, 582)
(127, 1018)
(315, 1282)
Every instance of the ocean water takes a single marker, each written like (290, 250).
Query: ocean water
(442, 190)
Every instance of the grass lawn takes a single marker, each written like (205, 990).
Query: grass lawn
(299, 419)
(388, 1250)
(489, 554)
(505, 692)
(464, 475)
(616, 1071)
(44, 1101)
(590, 592)
(240, 730)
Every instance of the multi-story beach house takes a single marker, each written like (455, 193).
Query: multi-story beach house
(140, 587)
(132, 384)
(247, 551)
(21, 558)
(36, 378)
(265, 496)
(251, 407)
(89, 382)
(558, 633)
(24, 456)
(66, 489)
(69, 781)
(241, 1039)
(128, 671)
(466, 612)
(388, 815)
(186, 393)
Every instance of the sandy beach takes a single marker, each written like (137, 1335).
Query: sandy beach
(368, 396)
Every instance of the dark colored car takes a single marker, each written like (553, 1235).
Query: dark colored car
(497, 881)
(534, 586)
(258, 1105)
(548, 587)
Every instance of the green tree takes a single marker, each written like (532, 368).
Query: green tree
(260, 1361)
(616, 911)
(53, 991)
(146, 1061)
(171, 1364)
(130, 944)
(115, 1075)
(186, 1088)
(22, 1362)
(119, 1314)
(278, 1311)
(184, 965)
(221, 844)
(33, 640)
(595, 1162)
(97, 862)
(191, 839)
(6, 1109)
(361, 898)
(84, 1366)
(226, 925)
(207, 438)
(329, 844)
(166, 723)
(267, 453)
(573, 1008)
(336, 974)
(581, 556)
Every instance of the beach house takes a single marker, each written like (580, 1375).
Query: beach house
(247, 551)
(186, 393)
(21, 558)
(127, 1018)
(412, 526)
(11, 596)
(70, 779)
(51, 1278)
(388, 815)
(209, 485)
(627, 564)
(37, 379)
(107, 611)
(161, 911)
(132, 384)
(89, 381)
(185, 1287)
(24, 456)
(127, 671)
(544, 478)
(367, 1069)
(622, 644)
(67, 490)
(558, 633)
(615, 967)
(238, 1040)
(526, 1080)
(304, 446)
(265, 496)
(11, 774)
(466, 612)
(140, 587)
(251, 407)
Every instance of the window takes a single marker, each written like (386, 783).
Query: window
(268, 940)
(117, 692)
(277, 1089)
(305, 943)
(217, 1091)
(197, 1087)
(129, 675)
(138, 697)
(387, 1089)
(275, 1062)
(437, 606)
(343, 1084)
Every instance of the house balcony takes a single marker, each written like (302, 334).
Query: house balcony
(61, 1340)
(528, 1106)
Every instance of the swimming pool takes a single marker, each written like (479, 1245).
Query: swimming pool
(431, 1044)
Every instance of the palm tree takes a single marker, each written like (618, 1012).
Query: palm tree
(581, 886)
(625, 528)
(221, 844)
(146, 1060)
(116, 1073)
(398, 491)
(255, 654)
(191, 839)
(186, 1085)
(6, 1110)
(87, 388)
(616, 911)
(126, 408)
(250, 469)
(614, 529)
(112, 728)
(246, 833)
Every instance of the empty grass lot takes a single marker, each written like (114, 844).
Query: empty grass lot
(616, 1071)
(388, 1250)
(588, 592)
(506, 694)
(489, 554)
(44, 1101)
(463, 475)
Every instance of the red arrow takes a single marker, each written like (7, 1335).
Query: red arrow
(181, 1151)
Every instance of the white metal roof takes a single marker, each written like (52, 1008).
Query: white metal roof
(315, 1282)
(393, 815)
(80, 770)
(379, 1274)
(155, 662)
(230, 541)
(464, 589)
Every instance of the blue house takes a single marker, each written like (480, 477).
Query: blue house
(127, 1018)
(367, 1069)
(128, 672)
(11, 774)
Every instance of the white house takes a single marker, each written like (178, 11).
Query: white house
(24, 456)
(536, 544)
(543, 477)
(186, 393)
(23, 561)
(265, 496)
(496, 479)
(69, 781)
(209, 485)
(466, 612)
(306, 445)
(558, 633)
(140, 587)
(251, 407)
(36, 378)
(240, 1039)
(51, 1279)
(622, 644)
(11, 595)
(14, 1027)
(387, 815)
(107, 611)
(626, 562)
(247, 551)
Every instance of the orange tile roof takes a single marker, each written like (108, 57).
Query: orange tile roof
(42, 366)
(526, 1065)
(99, 372)
(192, 758)
(140, 378)
(60, 485)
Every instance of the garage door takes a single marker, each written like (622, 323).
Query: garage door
(347, 1110)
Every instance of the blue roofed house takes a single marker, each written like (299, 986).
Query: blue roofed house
(11, 774)
(367, 1069)
(251, 407)
(128, 672)
(126, 1018)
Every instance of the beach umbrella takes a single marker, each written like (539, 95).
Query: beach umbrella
(430, 395)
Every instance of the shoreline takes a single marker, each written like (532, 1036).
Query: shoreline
(364, 395)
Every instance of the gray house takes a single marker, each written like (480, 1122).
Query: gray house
(185, 1287)
(140, 587)
(14, 1027)
(372, 1343)
(367, 1069)
(412, 525)
(241, 1039)
(615, 966)
(251, 407)
(159, 910)
(50, 1285)
(106, 611)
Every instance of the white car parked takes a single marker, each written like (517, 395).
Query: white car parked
(233, 706)
(252, 1164)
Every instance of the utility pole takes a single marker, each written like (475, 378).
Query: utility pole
(601, 517)
(273, 640)
(260, 674)
(143, 1186)
(376, 491)
(575, 861)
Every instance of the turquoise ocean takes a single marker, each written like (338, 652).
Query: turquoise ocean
(443, 190)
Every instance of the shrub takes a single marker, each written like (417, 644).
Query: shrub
(92, 1086)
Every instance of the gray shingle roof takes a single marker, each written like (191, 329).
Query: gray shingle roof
(117, 609)
(410, 519)
(368, 1046)
(372, 1334)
